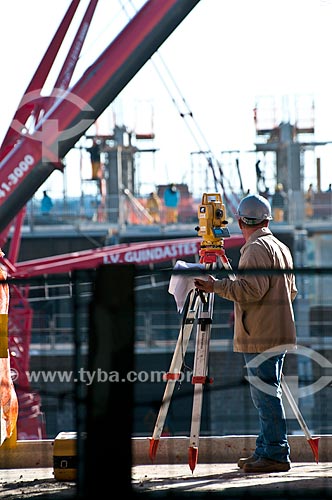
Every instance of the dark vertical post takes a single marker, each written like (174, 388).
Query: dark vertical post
(79, 280)
(110, 395)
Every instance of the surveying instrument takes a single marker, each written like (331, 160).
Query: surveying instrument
(213, 229)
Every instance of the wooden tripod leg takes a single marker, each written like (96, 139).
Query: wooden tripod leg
(174, 372)
(313, 441)
(200, 375)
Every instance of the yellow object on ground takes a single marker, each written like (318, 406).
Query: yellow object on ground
(65, 456)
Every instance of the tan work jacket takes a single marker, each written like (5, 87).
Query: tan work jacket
(263, 308)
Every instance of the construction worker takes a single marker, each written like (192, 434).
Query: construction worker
(46, 204)
(8, 397)
(279, 202)
(309, 200)
(95, 157)
(171, 201)
(264, 326)
(153, 206)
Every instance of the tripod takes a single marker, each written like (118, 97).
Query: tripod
(200, 307)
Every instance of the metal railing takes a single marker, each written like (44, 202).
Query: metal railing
(119, 209)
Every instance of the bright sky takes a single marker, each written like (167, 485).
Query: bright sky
(222, 58)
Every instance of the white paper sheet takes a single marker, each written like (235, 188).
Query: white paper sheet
(180, 285)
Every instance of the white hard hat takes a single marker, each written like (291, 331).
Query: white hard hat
(254, 209)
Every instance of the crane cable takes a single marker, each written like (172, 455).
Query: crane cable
(207, 151)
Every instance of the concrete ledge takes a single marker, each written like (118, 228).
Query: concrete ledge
(223, 449)
(171, 450)
(27, 454)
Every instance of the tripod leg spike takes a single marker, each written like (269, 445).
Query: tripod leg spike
(314, 442)
(192, 455)
(153, 448)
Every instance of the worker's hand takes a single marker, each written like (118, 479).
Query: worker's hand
(205, 284)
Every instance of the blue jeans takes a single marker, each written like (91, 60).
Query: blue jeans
(271, 441)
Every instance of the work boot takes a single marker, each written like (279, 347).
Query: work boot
(248, 460)
(266, 465)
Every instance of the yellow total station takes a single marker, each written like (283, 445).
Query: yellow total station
(212, 220)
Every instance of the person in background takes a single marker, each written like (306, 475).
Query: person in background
(264, 328)
(171, 201)
(260, 179)
(309, 200)
(8, 396)
(279, 202)
(95, 156)
(46, 204)
(153, 206)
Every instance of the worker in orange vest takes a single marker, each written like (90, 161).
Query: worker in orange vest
(8, 397)
(153, 206)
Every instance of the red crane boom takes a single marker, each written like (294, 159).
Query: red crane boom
(35, 156)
